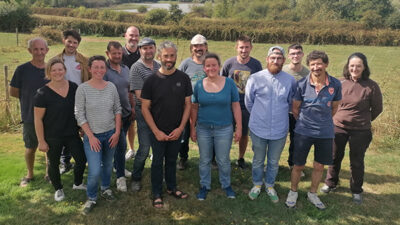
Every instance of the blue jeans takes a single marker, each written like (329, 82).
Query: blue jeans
(119, 156)
(144, 137)
(270, 148)
(99, 163)
(211, 137)
(164, 151)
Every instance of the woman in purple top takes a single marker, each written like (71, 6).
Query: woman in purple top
(361, 104)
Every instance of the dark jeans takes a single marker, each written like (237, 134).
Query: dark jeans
(164, 151)
(184, 150)
(144, 137)
(359, 141)
(292, 124)
(119, 155)
(55, 147)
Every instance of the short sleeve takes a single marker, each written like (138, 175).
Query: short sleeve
(146, 90)
(189, 90)
(39, 99)
(298, 94)
(338, 95)
(234, 91)
(225, 69)
(16, 80)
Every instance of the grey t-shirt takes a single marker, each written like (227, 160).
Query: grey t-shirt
(194, 70)
(240, 73)
(73, 69)
(297, 75)
(121, 82)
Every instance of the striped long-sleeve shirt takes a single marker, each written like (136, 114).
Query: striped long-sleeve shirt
(97, 107)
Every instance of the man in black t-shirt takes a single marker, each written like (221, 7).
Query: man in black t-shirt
(166, 108)
(27, 78)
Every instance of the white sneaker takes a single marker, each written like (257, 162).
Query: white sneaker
(291, 199)
(121, 184)
(151, 157)
(130, 154)
(59, 195)
(326, 189)
(255, 192)
(79, 187)
(128, 173)
(313, 198)
(272, 194)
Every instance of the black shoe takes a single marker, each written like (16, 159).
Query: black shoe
(240, 163)
(65, 168)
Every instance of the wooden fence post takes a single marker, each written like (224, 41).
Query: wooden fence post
(16, 32)
(8, 112)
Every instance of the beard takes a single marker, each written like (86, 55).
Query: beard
(168, 67)
(274, 68)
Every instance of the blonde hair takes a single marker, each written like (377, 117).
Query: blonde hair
(50, 64)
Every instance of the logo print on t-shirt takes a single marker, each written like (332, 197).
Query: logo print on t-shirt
(240, 77)
(78, 67)
(331, 90)
(178, 84)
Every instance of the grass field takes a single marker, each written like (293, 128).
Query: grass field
(35, 204)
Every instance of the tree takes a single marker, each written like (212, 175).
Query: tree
(156, 16)
(175, 13)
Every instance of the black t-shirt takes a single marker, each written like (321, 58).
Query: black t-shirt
(59, 119)
(129, 58)
(167, 95)
(27, 78)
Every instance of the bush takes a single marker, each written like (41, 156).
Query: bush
(142, 9)
(156, 16)
(15, 16)
(52, 36)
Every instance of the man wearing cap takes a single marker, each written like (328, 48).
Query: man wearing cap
(131, 54)
(298, 71)
(140, 71)
(239, 68)
(314, 104)
(118, 74)
(192, 66)
(268, 98)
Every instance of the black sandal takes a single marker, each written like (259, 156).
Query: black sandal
(158, 202)
(178, 194)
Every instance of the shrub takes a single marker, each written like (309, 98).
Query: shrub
(52, 35)
(142, 9)
(15, 16)
(156, 16)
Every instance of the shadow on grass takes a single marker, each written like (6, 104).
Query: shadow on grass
(35, 205)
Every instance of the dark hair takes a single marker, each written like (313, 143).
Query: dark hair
(50, 64)
(295, 46)
(114, 44)
(96, 57)
(314, 55)
(211, 55)
(244, 38)
(72, 33)
(365, 74)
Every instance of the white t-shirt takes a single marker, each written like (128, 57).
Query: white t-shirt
(73, 69)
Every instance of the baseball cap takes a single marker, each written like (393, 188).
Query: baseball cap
(146, 41)
(198, 39)
(271, 50)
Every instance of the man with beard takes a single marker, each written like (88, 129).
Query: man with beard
(77, 72)
(131, 54)
(27, 78)
(314, 104)
(118, 74)
(140, 71)
(166, 107)
(192, 66)
(268, 97)
(298, 71)
(239, 68)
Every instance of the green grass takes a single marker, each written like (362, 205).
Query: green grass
(35, 204)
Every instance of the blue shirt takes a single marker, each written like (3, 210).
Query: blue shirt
(315, 117)
(215, 108)
(268, 99)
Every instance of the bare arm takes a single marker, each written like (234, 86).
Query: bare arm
(138, 93)
(14, 92)
(335, 105)
(193, 120)
(175, 134)
(237, 114)
(296, 108)
(93, 141)
(39, 128)
(115, 137)
(160, 136)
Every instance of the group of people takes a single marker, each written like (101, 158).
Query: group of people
(86, 107)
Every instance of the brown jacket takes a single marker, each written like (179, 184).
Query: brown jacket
(83, 61)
